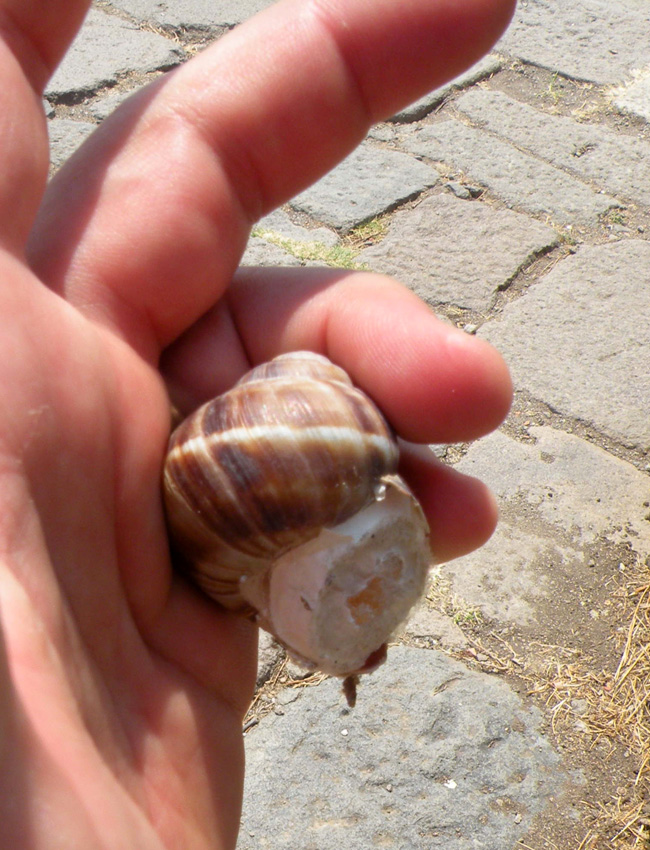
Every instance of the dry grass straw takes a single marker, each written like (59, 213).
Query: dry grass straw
(623, 715)
(615, 709)
(608, 708)
(264, 700)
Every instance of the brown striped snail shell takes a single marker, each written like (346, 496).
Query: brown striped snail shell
(283, 501)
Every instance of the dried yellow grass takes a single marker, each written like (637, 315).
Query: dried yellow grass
(609, 708)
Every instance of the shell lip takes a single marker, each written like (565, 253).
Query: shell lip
(351, 680)
(374, 660)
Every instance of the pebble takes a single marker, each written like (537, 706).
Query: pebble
(459, 190)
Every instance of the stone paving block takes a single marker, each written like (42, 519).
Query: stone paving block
(259, 252)
(635, 98)
(581, 491)
(593, 40)
(425, 759)
(106, 48)
(268, 654)
(192, 13)
(483, 68)
(562, 500)
(509, 580)
(584, 149)
(262, 251)
(369, 182)
(426, 625)
(580, 339)
(65, 137)
(383, 133)
(103, 107)
(457, 252)
(521, 180)
(279, 222)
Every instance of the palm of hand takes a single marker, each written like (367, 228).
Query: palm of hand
(122, 689)
(120, 715)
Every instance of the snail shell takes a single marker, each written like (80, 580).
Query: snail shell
(283, 501)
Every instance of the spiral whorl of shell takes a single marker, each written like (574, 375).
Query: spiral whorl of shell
(290, 452)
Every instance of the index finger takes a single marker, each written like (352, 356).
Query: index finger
(151, 236)
(435, 383)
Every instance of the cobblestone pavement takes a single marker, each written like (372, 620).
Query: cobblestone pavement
(516, 202)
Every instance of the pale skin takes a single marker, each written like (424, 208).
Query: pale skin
(122, 689)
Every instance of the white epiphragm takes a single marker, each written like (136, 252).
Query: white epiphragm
(336, 599)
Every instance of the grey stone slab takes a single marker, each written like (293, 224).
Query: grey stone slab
(484, 68)
(295, 671)
(65, 137)
(562, 501)
(510, 581)
(192, 13)
(383, 133)
(635, 98)
(584, 149)
(259, 252)
(457, 252)
(580, 339)
(575, 487)
(593, 40)
(521, 180)
(279, 223)
(103, 107)
(429, 627)
(268, 655)
(264, 250)
(370, 181)
(426, 759)
(106, 48)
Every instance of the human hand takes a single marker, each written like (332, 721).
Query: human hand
(122, 689)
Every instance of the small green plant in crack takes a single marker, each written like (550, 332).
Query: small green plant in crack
(341, 256)
(443, 599)
(617, 218)
(468, 617)
(568, 238)
(553, 91)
